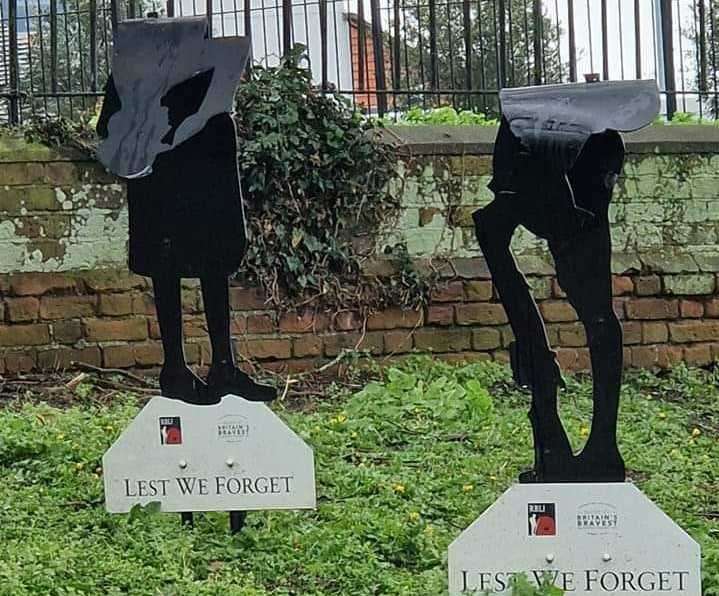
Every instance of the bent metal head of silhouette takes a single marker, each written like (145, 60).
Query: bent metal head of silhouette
(166, 127)
(557, 156)
(170, 77)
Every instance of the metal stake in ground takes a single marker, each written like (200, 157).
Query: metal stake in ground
(237, 521)
(188, 519)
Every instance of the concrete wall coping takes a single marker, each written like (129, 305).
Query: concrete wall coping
(15, 149)
(428, 140)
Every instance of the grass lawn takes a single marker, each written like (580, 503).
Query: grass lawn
(403, 466)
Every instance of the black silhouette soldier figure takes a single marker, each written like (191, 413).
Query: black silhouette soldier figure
(557, 157)
(167, 128)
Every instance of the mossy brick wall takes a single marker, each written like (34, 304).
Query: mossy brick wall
(58, 212)
(67, 296)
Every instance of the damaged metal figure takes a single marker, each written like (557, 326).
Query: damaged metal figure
(167, 128)
(557, 157)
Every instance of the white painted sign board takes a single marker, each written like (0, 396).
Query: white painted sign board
(233, 456)
(589, 538)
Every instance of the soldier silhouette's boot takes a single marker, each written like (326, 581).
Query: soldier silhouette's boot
(554, 461)
(226, 379)
(183, 384)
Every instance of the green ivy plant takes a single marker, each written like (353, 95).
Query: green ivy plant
(62, 133)
(316, 181)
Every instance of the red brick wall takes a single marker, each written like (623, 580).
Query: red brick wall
(107, 319)
(367, 100)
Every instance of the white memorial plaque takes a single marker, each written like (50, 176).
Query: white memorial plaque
(587, 538)
(233, 456)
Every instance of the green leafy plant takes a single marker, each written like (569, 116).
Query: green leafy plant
(401, 471)
(316, 182)
(683, 119)
(61, 133)
(446, 115)
(521, 586)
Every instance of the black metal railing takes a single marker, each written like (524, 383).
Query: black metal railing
(385, 55)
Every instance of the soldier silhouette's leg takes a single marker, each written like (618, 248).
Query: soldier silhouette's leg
(534, 363)
(583, 262)
(176, 379)
(584, 271)
(224, 377)
(215, 296)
